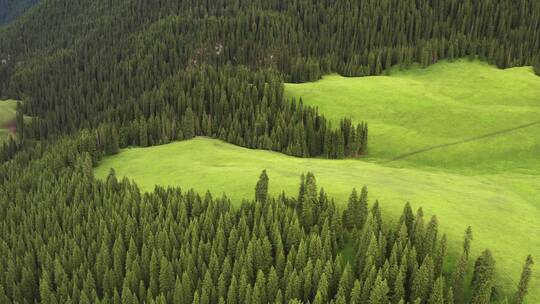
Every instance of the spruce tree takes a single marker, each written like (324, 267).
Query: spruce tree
(523, 285)
(482, 282)
(379, 294)
(188, 124)
(461, 268)
(437, 293)
(261, 189)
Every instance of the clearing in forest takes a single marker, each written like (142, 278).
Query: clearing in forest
(8, 112)
(461, 140)
(503, 209)
(464, 116)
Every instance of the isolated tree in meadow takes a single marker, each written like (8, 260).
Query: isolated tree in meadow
(524, 281)
(261, 189)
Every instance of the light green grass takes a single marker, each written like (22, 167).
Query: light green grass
(447, 102)
(503, 208)
(8, 112)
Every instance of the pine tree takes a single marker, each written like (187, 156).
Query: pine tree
(356, 293)
(350, 213)
(461, 269)
(309, 201)
(437, 293)
(232, 293)
(362, 207)
(524, 281)
(188, 124)
(379, 294)
(450, 296)
(166, 277)
(399, 288)
(482, 282)
(45, 289)
(422, 280)
(261, 189)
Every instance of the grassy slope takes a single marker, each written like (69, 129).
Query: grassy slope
(502, 208)
(7, 115)
(492, 183)
(444, 103)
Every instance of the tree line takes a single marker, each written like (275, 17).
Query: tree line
(86, 63)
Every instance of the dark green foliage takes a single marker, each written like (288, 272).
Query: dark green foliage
(483, 277)
(524, 281)
(437, 293)
(461, 268)
(261, 189)
(536, 68)
(357, 210)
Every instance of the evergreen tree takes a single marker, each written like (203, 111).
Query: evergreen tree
(524, 281)
(261, 189)
(461, 269)
(188, 124)
(437, 293)
(482, 282)
(379, 294)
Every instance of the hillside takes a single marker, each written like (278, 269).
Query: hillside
(489, 117)
(485, 202)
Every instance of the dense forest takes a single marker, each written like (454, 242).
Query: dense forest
(97, 76)
(126, 57)
(69, 238)
(10, 9)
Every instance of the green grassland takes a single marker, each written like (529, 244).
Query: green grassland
(461, 140)
(415, 109)
(503, 209)
(8, 110)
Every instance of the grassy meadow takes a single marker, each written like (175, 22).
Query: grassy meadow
(8, 111)
(449, 102)
(461, 140)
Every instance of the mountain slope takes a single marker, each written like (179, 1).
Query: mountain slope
(482, 201)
